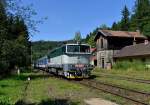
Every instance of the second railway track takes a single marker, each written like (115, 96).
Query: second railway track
(138, 97)
(126, 78)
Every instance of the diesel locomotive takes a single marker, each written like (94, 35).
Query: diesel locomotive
(69, 60)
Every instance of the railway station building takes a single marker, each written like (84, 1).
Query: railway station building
(138, 52)
(109, 43)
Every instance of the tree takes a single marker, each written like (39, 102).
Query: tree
(133, 23)
(91, 41)
(104, 27)
(141, 16)
(3, 34)
(114, 26)
(15, 47)
(90, 37)
(78, 37)
(125, 19)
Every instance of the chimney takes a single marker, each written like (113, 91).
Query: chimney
(146, 42)
(138, 31)
(134, 41)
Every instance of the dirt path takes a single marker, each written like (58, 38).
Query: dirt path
(98, 101)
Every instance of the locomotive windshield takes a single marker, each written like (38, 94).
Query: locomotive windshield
(78, 49)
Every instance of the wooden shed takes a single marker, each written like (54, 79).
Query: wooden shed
(109, 42)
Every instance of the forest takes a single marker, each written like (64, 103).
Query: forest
(15, 47)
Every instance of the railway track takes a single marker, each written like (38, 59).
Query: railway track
(138, 97)
(126, 78)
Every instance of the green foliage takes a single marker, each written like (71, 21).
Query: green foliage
(104, 27)
(14, 40)
(125, 23)
(3, 66)
(139, 20)
(90, 38)
(4, 101)
(41, 48)
(91, 41)
(142, 15)
(125, 19)
(125, 65)
(114, 26)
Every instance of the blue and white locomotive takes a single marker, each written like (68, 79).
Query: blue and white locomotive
(69, 60)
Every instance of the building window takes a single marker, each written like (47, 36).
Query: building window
(103, 63)
(102, 44)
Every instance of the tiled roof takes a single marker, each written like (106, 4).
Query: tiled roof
(110, 33)
(134, 50)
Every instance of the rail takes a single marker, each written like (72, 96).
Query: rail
(138, 97)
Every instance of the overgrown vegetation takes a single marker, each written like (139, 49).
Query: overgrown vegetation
(126, 65)
(114, 77)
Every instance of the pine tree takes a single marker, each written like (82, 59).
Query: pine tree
(125, 19)
(14, 41)
(91, 36)
(3, 35)
(141, 16)
(114, 26)
(104, 27)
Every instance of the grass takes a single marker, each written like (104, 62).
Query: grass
(142, 74)
(45, 90)
(11, 89)
(124, 83)
(127, 84)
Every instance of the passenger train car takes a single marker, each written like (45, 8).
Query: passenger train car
(69, 60)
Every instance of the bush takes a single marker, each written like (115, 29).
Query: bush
(126, 65)
(5, 101)
(3, 67)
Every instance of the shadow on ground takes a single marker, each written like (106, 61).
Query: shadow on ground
(93, 76)
(49, 102)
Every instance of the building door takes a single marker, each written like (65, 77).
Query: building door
(95, 62)
(103, 63)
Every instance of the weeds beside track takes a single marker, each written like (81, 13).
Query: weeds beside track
(126, 78)
(138, 97)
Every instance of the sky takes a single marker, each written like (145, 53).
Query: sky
(65, 17)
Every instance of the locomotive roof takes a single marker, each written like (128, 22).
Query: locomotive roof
(60, 47)
(68, 44)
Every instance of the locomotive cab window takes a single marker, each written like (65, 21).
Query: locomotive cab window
(84, 49)
(73, 48)
(78, 49)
